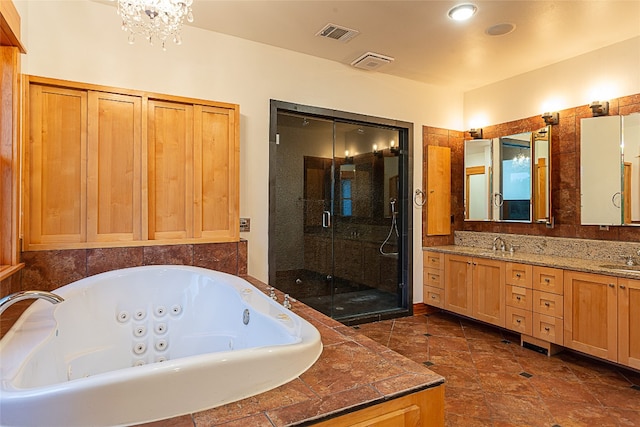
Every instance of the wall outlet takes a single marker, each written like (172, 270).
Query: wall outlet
(245, 224)
(604, 228)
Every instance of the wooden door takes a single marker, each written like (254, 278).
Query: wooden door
(216, 163)
(55, 167)
(438, 190)
(458, 280)
(170, 170)
(114, 167)
(489, 291)
(590, 319)
(629, 322)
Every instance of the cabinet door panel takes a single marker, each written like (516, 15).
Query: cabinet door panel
(629, 322)
(114, 169)
(590, 321)
(56, 166)
(458, 278)
(170, 168)
(215, 188)
(489, 291)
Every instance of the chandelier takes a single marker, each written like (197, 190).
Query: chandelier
(155, 20)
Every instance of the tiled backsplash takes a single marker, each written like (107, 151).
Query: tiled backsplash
(602, 250)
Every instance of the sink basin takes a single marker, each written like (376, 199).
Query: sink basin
(635, 269)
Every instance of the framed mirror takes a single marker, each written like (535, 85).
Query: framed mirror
(508, 178)
(478, 160)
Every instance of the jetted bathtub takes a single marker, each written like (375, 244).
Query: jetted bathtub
(146, 343)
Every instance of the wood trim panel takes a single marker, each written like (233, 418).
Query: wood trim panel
(629, 322)
(438, 190)
(10, 26)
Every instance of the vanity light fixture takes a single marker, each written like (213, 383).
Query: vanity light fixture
(476, 133)
(393, 148)
(462, 12)
(376, 152)
(551, 118)
(599, 108)
(347, 158)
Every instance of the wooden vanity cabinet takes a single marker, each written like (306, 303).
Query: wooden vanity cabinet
(548, 304)
(433, 279)
(591, 320)
(519, 298)
(629, 322)
(475, 287)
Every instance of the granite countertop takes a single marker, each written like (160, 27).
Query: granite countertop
(576, 264)
(353, 372)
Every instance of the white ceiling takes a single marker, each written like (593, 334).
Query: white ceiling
(426, 44)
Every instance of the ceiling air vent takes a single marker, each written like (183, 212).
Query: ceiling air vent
(371, 61)
(336, 32)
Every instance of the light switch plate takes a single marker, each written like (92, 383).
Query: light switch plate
(245, 224)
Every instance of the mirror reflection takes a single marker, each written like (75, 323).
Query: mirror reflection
(508, 178)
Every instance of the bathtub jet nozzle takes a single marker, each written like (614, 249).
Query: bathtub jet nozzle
(9, 300)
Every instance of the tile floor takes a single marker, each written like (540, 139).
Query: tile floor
(492, 381)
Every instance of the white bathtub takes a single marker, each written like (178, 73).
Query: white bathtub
(147, 343)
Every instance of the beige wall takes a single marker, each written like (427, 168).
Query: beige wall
(82, 41)
(610, 72)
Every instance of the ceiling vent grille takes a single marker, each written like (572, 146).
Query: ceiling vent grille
(371, 61)
(336, 32)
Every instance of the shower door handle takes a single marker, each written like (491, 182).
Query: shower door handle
(326, 219)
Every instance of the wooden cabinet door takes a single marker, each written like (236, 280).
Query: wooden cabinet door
(55, 163)
(170, 170)
(590, 314)
(458, 280)
(438, 190)
(489, 291)
(629, 322)
(114, 167)
(216, 162)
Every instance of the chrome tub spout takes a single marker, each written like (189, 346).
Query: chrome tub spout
(9, 300)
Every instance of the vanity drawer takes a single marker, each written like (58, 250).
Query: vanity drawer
(433, 296)
(519, 274)
(519, 297)
(548, 304)
(548, 279)
(433, 260)
(433, 277)
(519, 320)
(548, 328)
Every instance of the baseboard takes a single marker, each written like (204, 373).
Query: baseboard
(420, 309)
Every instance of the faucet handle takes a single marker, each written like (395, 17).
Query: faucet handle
(629, 259)
(512, 248)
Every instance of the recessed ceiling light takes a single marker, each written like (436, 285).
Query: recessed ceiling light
(500, 29)
(462, 12)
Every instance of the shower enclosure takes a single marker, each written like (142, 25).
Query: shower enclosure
(339, 234)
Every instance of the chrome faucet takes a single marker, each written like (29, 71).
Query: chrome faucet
(9, 300)
(502, 244)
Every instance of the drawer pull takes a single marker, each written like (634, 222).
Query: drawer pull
(433, 297)
(518, 297)
(433, 277)
(518, 320)
(546, 304)
(546, 328)
(611, 285)
(547, 280)
(622, 286)
(518, 275)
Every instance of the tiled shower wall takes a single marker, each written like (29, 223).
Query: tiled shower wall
(48, 270)
(565, 177)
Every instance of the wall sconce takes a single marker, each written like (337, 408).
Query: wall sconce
(551, 118)
(376, 152)
(347, 158)
(392, 147)
(599, 108)
(476, 133)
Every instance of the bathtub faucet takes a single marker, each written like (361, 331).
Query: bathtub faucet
(9, 300)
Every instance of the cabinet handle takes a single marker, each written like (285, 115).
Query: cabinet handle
(546, 304)
(518, 298)
(475, 263)
(518, 320)
(518, 275)
(546, 328)
(547, 280)
(611, 285)
(433, 297)
(622, 286)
